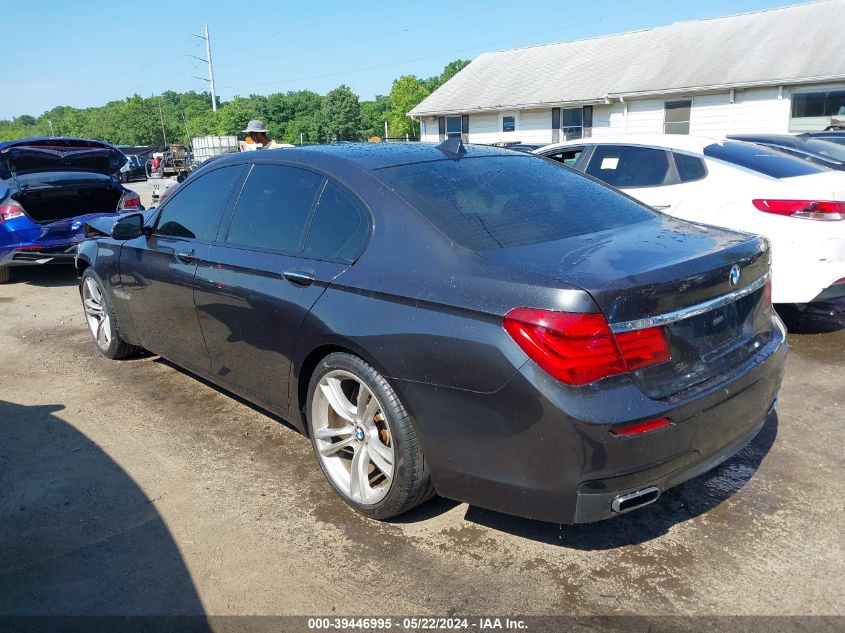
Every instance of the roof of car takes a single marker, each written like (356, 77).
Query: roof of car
(681, 142)
(372, 155)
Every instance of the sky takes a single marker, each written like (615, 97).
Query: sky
(84, 53)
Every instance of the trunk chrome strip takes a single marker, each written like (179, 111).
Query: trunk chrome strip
(686, 313)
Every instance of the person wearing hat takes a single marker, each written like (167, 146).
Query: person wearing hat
(256, 133)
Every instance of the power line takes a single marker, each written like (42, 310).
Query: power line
(442, 54)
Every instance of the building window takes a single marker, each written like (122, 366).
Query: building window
(572, 123)
(676, 116)
(508, 124)
(813, 104)
(576, 123)
(453, 126)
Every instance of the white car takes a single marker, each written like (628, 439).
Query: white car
(798, 206)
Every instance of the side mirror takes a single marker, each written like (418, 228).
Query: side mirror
(128, 227)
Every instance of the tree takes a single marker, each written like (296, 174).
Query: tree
(373, 115)
(340, 115)
(452, 69)
(407, 92)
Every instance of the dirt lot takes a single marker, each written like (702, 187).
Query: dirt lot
(132, 487)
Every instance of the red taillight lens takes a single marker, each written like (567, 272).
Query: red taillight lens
(809, 209)
(767, 295)
(641, 427)
(580, 348)
(10, 211)
(130, 201)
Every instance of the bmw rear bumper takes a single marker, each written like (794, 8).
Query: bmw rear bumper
(538, 449)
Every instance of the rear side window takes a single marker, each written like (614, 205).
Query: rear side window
(339, 229)
(273, 208)
(761, 159)
(628, 166)
(496, 202)
(194, 212)
(689, 167)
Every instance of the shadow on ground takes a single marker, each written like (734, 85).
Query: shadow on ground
(676, 505)
(77, 535)
(44, 276)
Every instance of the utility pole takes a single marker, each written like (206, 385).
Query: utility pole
(207, 60)
(161, 116)
(51, 127)
(385, 130)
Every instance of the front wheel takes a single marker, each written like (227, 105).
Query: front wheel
(363, 439)
(101, 319)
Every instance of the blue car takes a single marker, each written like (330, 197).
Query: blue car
(49, 188)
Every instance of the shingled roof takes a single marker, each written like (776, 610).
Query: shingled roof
(794, 44)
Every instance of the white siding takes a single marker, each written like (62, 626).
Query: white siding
(711, 115)
(760, 111)
(608, 119)
(645, 117)
(535, 126)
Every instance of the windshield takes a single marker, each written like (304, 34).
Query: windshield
(497, 202)
(764, 160)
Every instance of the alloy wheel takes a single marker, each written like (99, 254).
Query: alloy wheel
(96, 314)
(352, 437)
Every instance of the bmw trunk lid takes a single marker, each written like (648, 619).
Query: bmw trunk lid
(707, 287)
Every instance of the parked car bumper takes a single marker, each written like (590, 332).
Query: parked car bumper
(37, 254)
(538, 449)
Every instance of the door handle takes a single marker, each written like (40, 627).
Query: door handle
(188, 257)
(300, 277)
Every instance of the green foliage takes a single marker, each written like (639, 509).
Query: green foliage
(407, 92)
(339, 118)
(139, 120)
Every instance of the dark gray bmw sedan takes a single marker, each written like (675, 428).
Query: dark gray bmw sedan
(469, 322)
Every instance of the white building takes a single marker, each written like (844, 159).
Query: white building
(775, 71)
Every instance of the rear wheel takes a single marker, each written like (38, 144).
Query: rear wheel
(364, 440)
(101, 319)
(4, 274)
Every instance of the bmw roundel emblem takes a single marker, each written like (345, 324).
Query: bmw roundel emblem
(734, 276)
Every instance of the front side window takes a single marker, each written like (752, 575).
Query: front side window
(194, 212)
(339, 229)
(273, 208)
(677, 116)
(629, 166)
(453, 126)
(567, 156)
(498, 202)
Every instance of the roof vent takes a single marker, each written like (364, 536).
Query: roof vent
(453, 147)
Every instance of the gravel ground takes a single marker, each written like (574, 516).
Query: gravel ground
(134, 487)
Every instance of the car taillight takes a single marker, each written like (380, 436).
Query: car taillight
(10, 211)
(809, 209)
(130, 200)
(767, 295)
(580, 348)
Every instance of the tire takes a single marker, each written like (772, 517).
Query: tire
(101, 319)
(5, 273)
(123, 177)
(368, 436)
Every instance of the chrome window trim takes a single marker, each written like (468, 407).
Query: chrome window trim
(686, 313)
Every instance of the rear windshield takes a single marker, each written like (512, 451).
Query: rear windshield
(761, 159)
(824, 148)
(497, 202)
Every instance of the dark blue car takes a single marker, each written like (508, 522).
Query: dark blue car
(49, 187)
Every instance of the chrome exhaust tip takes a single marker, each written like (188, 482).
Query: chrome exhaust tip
(634, 500)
